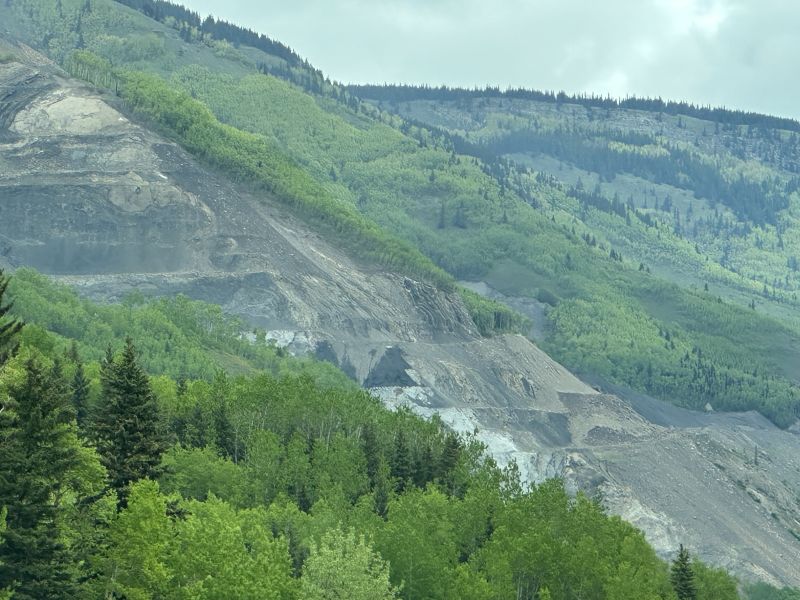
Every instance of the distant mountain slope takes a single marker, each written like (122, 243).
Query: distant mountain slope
(722, 182)
(477, 219)
(104, 198)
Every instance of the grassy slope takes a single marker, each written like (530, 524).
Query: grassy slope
(404, 179)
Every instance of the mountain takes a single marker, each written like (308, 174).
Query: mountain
(704, 198)
(339, 228)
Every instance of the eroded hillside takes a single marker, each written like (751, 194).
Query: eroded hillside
(100, 201)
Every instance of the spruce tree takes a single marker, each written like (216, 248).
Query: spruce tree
(682, 576)
(37, 445)
(451, 454)
(228, 444)
(128, 426)
(424, 467)
(9, 327)
(80, 396)
(382, 489)
(372, 452)
(402, 464)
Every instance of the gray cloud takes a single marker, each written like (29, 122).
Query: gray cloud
(738, 53)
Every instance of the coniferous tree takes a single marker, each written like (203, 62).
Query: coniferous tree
(682, 576)
(450, 454)
(80, 396)
(9, 327)
(128, 425)
(401, 462)
(450, 457)
(383, 489)
(424, 467)
(227, 441)
(369, 444)
(196, 429)
(37, 445)
(72, 353)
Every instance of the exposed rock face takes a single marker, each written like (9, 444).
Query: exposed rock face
(108, 206)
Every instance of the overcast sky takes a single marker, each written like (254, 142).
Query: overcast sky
(737, 53)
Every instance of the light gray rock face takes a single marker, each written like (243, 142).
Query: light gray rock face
(90, 197)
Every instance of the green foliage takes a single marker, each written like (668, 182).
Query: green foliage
(9, 326)
(279, 487)
(5, 593)
(287, 453)
(252, 158)
(420, 542)
(176, 336)
(219, 552)
(545, 296)
(682, 576)
(763, 591)
(343, 565)
(542, 541)
(524, 252)
(713, 583)
(127, 427)
(491, 316)
(38, 445)
(443, 188)
(709, 352)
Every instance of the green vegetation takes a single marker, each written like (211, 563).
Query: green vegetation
(177, 336)
(682, 576)
(247, 157)
(763, 591)
(278, 487)
(619, 258)
(9, 326)
(490, 316)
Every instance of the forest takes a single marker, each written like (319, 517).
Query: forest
(408, 92)
(121, 482)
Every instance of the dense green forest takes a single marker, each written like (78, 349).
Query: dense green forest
(629, 294)
(286, 483)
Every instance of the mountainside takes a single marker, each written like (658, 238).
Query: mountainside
(96, 195)
(699, 197)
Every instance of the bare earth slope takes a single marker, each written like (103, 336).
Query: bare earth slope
(103, 203)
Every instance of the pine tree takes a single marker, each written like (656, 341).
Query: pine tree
(9, 327)
(128, 427)
(682, 576)
(37, 445)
